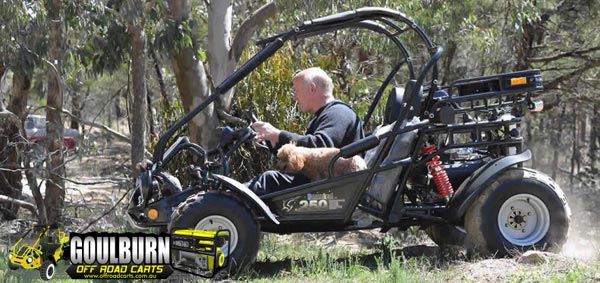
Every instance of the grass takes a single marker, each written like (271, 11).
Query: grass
(293, 260)
(298, 259)
(559, 272)
(326, 269)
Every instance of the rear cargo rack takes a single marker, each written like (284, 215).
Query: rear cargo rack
(483, 93)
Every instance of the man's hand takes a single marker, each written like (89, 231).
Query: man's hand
(266, 132)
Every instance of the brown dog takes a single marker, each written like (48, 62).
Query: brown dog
(314, 162)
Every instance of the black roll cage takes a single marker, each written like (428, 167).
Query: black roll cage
(380, 20)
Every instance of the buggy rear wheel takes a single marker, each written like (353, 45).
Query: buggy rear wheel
(521, 210)
(12, 266)
(215, 211)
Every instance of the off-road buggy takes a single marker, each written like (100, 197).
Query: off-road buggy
(41, 247)
(447, 158)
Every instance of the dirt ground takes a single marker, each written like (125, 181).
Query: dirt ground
(101, 181)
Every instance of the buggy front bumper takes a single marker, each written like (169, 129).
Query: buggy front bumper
(22, 262)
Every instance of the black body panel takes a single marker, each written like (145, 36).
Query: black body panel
(332, 199)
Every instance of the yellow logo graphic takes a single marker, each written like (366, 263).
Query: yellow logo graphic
(40, 248)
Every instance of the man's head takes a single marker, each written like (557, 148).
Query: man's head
(313, 89)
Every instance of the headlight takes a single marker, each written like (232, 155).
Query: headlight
(29, 260)
(9, 255)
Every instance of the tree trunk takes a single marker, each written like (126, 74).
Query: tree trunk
(139, 107)
(524, 47)
(530, 140)
(159, 76)
(192, 82)
(531, 33)
(556, 143)
(20, 93)
(76, 104)
(574, 149)
(81, 107)
(150, 119)
(594, 139)
(220, 59)
(450, 54)
(224, 52)
(583, 111)
(12, 144)
(581, 136)
(55, 189)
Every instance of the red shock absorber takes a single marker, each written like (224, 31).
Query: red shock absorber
(440, 177)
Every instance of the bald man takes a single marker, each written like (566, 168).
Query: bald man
(335, 125)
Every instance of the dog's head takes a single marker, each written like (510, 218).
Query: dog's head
(289, 158)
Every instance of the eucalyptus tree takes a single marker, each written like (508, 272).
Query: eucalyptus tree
(133, 12)
(55, 185)
(23, 34)
(224, 51)
(563, 41)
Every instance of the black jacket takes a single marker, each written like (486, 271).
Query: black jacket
(335, 125)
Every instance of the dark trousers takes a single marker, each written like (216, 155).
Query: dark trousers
(272, 181)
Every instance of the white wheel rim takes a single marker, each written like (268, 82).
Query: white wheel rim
(50, 271)
(218, 222)
(523, 219)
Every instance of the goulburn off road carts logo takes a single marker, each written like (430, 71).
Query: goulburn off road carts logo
(122, 256)
(119, 256)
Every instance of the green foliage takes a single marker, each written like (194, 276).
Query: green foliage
(524, 13)
(171, 35)
(267, 92)
(170, 112)
(167, 35)
(23, 33)
(105, 51)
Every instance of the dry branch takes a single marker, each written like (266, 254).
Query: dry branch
(5, 114)
(91, 183)
(96, 125)
(249, 26)
(573, 53)
(27, 205)
(230, 119)
(105, 213)
(553, 84)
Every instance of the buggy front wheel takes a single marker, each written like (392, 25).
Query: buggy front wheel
(521, 210)
(47, 270)
(216, 211)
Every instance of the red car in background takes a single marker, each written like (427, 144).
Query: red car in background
(35, 129)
